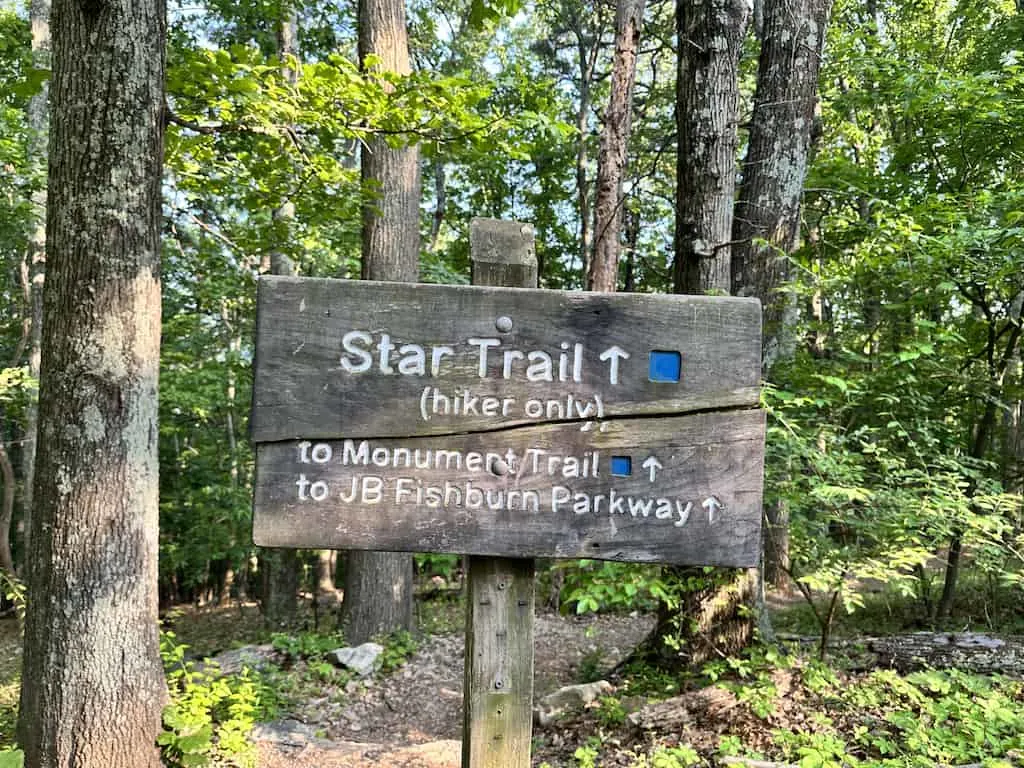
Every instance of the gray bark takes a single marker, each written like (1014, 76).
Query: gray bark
(94, 686)
(378, 585)
(969, 652)
(711, 36)
(38, 131)
(709, 621)
(613, 153)
(391, 178)
(766, 226)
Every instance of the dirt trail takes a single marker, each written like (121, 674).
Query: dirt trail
(413, 717)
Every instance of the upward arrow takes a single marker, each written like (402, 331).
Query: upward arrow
(711, 504)
(613, 354)
(652, 465)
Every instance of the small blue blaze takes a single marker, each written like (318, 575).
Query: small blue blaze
(665, 366)
(622, 466)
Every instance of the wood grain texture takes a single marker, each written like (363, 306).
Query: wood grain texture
(498, 688)
(497, 710)
(442, 494)
(302, 390)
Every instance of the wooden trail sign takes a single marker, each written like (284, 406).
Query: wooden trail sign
(514, 422)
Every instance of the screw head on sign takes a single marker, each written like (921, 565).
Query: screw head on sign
(503, 323)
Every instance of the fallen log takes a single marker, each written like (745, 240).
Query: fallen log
(968, 651)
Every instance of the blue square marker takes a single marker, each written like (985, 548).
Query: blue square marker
(622, 466)
(665, 366)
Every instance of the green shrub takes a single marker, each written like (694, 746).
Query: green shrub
(208, 720)
(308, 645)
(398, 647)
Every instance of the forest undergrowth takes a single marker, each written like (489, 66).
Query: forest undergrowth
(776, 702)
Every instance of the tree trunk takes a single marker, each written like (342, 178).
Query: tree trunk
(378, 595)
(378, 585)
(325, 565)
(280, 569)
(766, 226)
(94, 685)
(38, 131)
(587, 60)
(391, 178)
(712, 620)
(776, 546)
(711, 36)
(999, 363)
(709, 618)
(613, 154)
(6, 510)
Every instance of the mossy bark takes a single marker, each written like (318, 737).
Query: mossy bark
(93, 682)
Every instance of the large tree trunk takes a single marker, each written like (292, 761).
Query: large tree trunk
(711, 36)
(709, 619)
(766, 226)
(378, 585)
(612, 157)
(93, 683)
(35, 266)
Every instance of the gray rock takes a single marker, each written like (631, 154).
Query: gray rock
(363, 659)
(287, 732)
(569, 698)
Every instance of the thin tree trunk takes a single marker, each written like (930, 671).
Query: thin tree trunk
(6, 510)
(632, 227)
(94, 685)
(587, 58)
(38, 131)
(981, 442)
(711, 34)
(440, 198)
(325, 560)
(280, 569)
(378, 585)
(614, 150)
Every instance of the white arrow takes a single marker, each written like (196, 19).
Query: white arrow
(652, 465)
(614, 353)
(711, 504)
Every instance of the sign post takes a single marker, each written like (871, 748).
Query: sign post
(506, 424)
(497, 698)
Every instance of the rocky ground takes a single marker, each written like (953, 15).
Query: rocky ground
(413, 717)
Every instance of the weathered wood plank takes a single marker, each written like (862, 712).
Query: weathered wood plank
(498, 688)
(542, 491)
(497, 708)
(339, 358)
